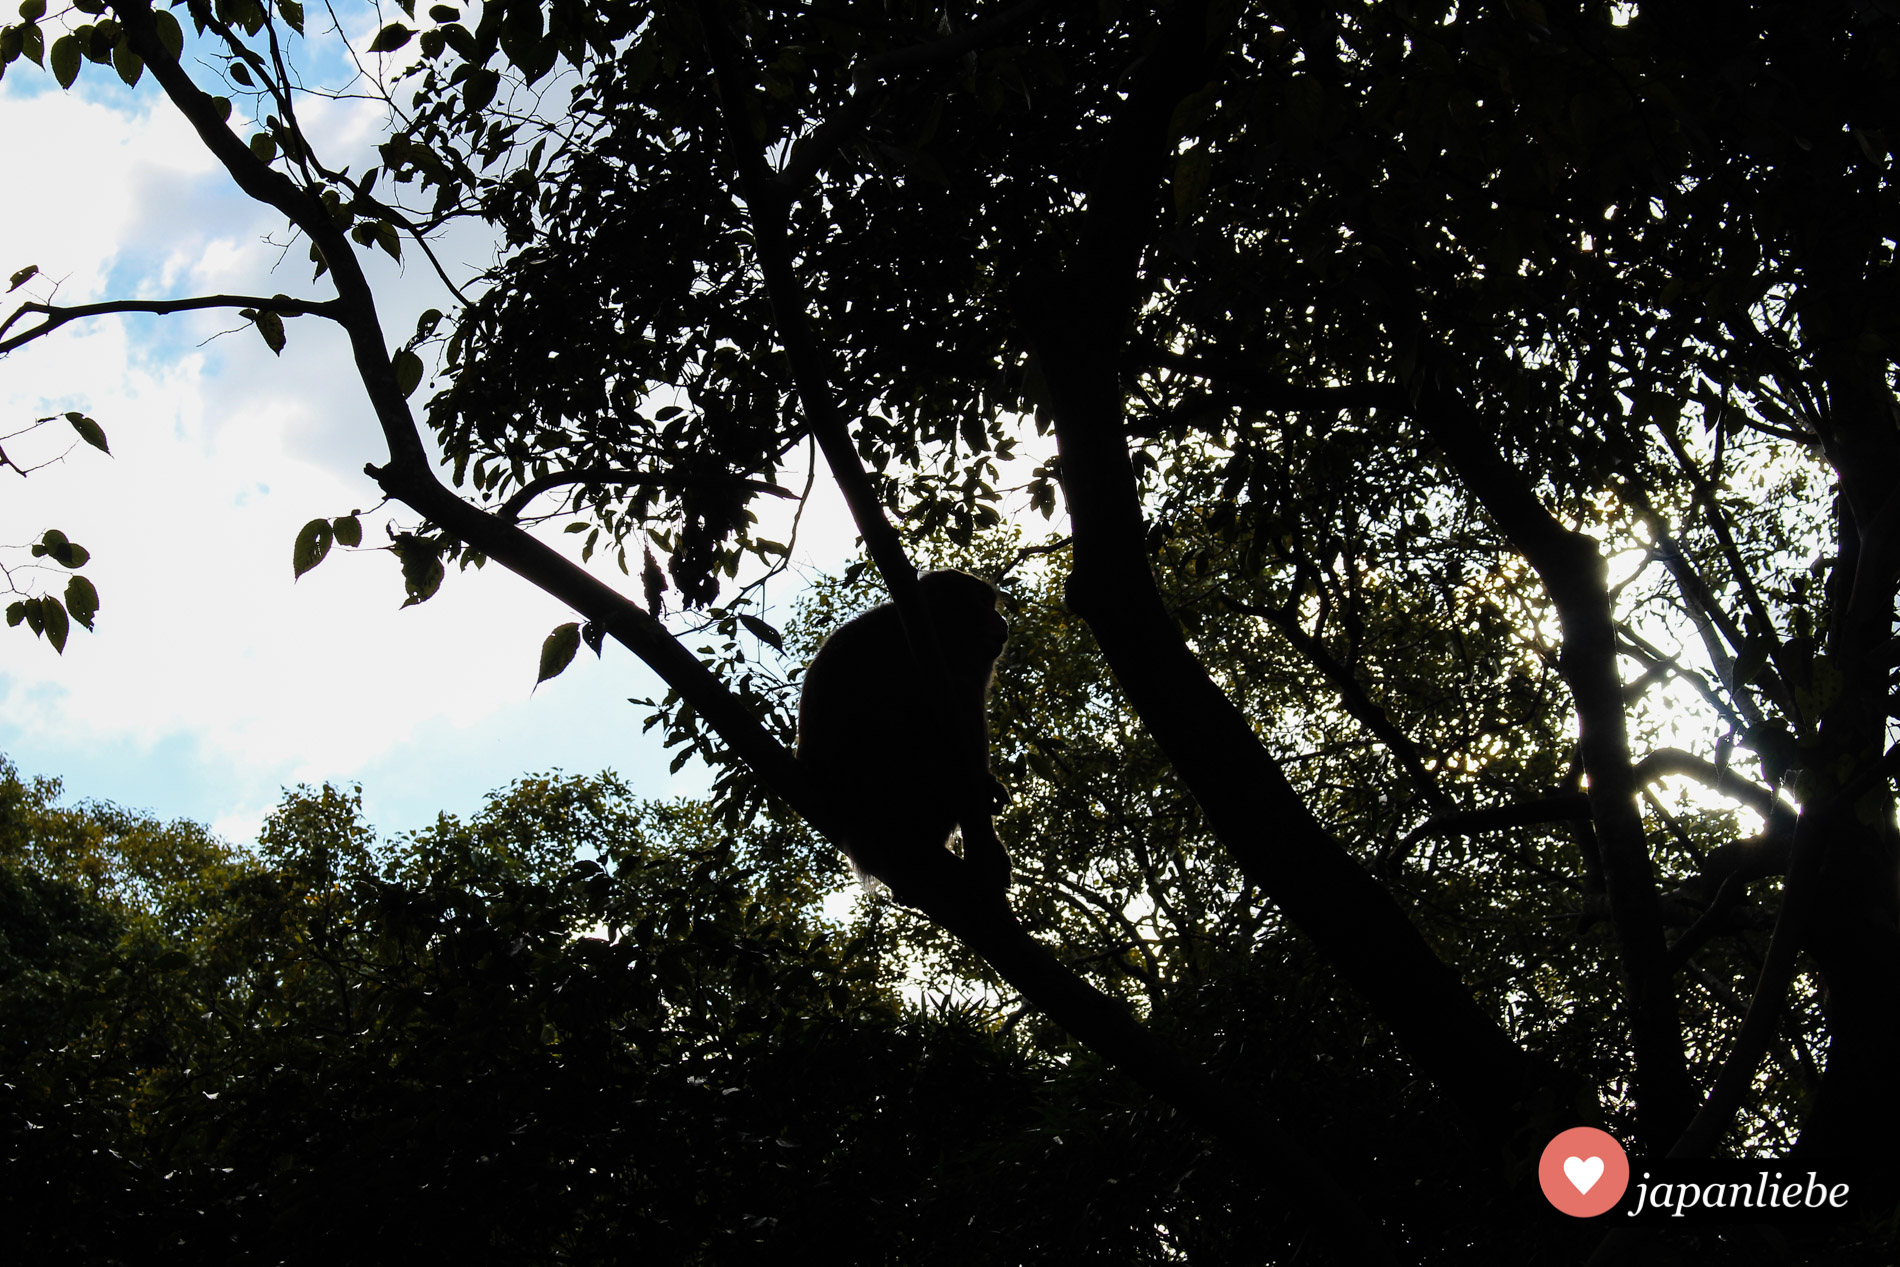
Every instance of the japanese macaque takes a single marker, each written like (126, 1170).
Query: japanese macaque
(899, 752)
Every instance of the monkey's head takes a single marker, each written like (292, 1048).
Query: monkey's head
(965, 609)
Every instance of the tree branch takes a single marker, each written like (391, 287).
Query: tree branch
(766, 204)
(1360, 704)
(511, 509)
(1799, 897)
(1560, 808)
(1572, 570)
(57, 316)
(1078, 320)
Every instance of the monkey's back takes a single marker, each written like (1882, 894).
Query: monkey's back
(868, 731)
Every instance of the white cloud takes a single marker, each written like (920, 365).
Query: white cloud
(213, 679)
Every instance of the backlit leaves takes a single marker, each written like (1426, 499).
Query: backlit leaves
(66, 54)
(313, 543)
(54, 545)
(557, 651)
(44, 616)
(408, 367)
(390, 38)
(82, 600)
(422, 572)
(89, 431)
(270, 326)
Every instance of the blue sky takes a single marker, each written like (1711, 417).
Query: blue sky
(213, 680)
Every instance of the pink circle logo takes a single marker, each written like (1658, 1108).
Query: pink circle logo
(1584, 1172)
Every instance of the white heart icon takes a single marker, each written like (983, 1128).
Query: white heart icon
(1583, 1172)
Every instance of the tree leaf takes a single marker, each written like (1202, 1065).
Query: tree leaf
(27, 274)
(293, 14)
(313, 543)
(271, 327)
(557, 651)
(408, 367)
(82, 600)
(169, 34)
(129, 64)
(54, 545)
(421, 567)
(348, 530)
(54, 617)
(479, 88)
(390, 38)
(763, 632)
(264, 145)
(32, 10)
(66, 54)
(89, 431)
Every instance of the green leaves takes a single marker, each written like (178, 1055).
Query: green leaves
(44, 616)
(313, 544)
(422, 571)
(169, 34)
(270, 325)
(54, 545)
(763, 632)
(82, 600)
(557, 650)
(378, 233)
(127, 63)
(408, 367)
(390, 38)
(315, 538)
(66, 54)
(89, 431)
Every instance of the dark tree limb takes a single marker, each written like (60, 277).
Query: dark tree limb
(1720, 779)
(1573, 573)
(1561, 808)
(1358, 702)
(1259, 1142)
(941, 885)
(511, 509)
(1078, 321)
(1245, 385)
(1799, 902)
(767, 205)
(1640, 648)
(1778, 683)
(57, 316)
